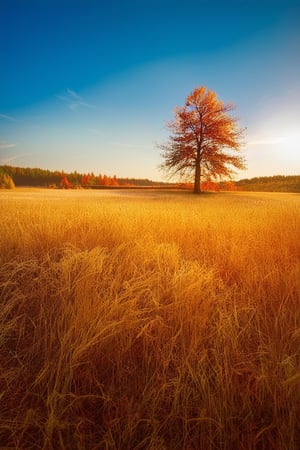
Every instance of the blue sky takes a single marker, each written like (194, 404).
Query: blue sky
(88, 85)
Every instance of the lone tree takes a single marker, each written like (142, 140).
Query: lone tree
(205, 140)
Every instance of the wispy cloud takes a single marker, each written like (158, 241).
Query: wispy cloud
(6, 145)
(6, 117)
(74, 101)
(73, 94)
(10, 159)
(5, 158)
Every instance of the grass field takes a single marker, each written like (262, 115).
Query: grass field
(149, 320)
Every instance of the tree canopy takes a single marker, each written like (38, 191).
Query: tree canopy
(205, 140)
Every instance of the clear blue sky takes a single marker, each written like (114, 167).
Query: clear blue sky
(88, 85)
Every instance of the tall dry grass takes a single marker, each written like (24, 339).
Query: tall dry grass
(149, 321)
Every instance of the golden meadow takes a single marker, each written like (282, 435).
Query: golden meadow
(149, 320)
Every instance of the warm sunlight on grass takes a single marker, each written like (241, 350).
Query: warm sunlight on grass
(149, 320)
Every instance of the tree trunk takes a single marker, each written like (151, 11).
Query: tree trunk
(197, 187)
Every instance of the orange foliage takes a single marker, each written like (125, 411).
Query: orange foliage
(212, 186)
(65, 184)
(85, 180)
(114, 181)
(229, 186)
(209, 185)
(92, 180)
(202, 133)
(105, 181)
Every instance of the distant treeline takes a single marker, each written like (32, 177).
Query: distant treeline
(276, 183)
(27, 176)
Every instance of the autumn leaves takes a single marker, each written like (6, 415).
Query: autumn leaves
(205, 140)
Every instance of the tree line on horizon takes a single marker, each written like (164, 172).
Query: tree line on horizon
(275, 183)
(11, 176)
(36, 177)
